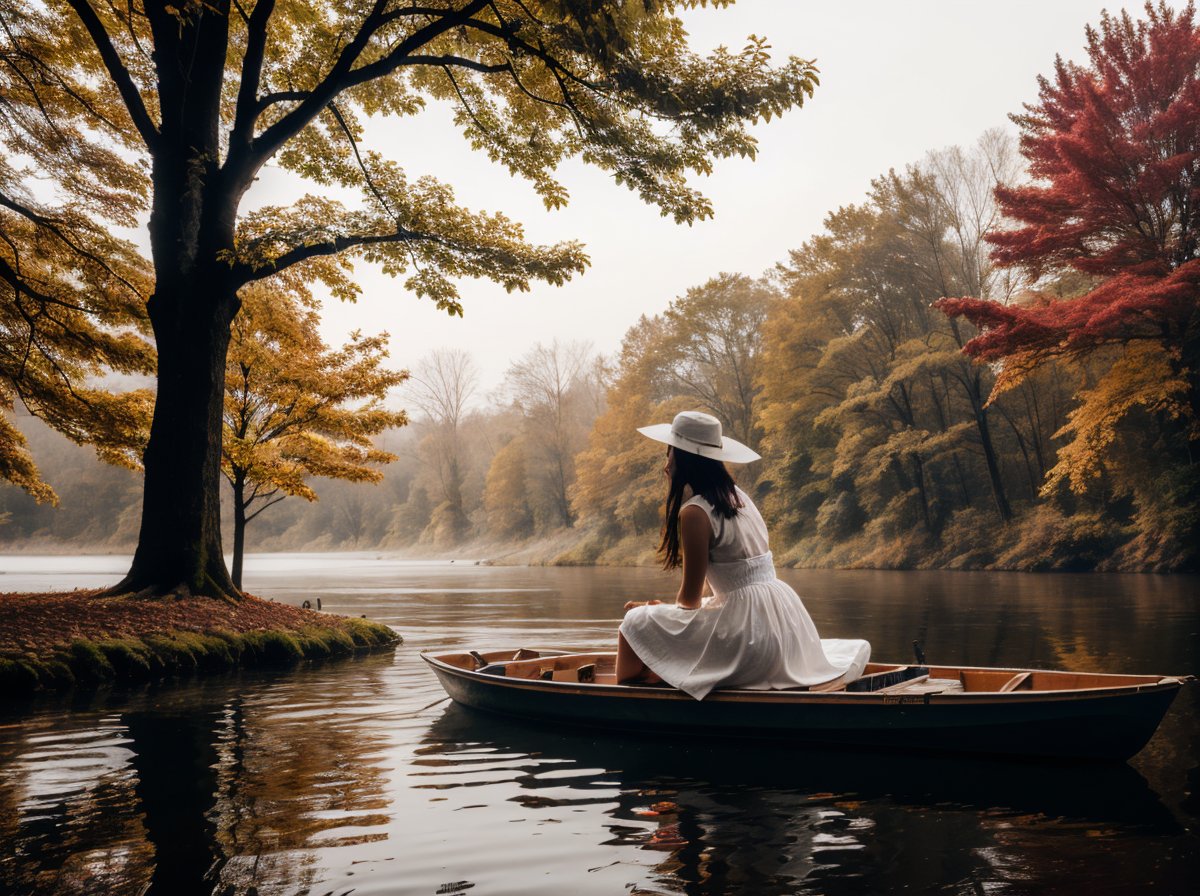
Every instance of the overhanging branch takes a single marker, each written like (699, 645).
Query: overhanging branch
(53, 227)
(117, 71)
(362, 166)
(244, 273)
(343, 76)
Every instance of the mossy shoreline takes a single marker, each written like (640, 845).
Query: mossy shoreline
(86, 663)
(99, 646)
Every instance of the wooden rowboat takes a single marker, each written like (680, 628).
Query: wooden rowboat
(958, 709)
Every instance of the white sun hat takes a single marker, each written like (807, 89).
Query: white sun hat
(699, 433)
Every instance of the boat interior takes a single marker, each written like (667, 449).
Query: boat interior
(878, 678)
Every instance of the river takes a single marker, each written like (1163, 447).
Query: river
(354, 776)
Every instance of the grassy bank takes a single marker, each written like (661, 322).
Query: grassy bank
(59, 641)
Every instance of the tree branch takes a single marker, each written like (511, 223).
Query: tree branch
(244, 273)
(337, 114)
(342, 76)
(272, 502)
(567, 103)
(52, 226)
(10, 275)
(247, 101)
(366, 72)
(117, 71)
(279, 96)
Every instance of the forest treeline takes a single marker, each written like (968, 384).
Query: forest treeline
(883, 444)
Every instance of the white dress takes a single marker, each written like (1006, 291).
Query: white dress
(754, 631)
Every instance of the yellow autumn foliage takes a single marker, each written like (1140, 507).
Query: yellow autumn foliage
(1143, 376)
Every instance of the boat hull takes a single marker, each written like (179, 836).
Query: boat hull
(1102, 724)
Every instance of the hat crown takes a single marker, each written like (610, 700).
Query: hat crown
(698, 427)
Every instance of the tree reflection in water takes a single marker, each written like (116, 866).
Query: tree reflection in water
(725, 817)
(188, 790)
(175, 757)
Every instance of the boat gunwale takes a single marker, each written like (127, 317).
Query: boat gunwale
(792, 697)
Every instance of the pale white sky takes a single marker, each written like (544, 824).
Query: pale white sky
(897, 79)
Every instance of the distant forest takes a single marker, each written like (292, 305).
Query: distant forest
(883, 444)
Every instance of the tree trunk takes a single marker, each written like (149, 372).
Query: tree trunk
(561, 496)
(989, 456)
(192, 226)
(179, 545)
(919, 478)
(239, 526)
(971, 380)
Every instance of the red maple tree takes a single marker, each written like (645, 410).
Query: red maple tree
(1114, 155)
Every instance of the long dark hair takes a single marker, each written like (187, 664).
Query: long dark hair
(708, 478)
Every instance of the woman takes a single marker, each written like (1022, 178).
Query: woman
(753, 632)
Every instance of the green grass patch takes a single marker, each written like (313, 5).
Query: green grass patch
(273, 648)
(55, 673)
(210, 651)
(173, 655)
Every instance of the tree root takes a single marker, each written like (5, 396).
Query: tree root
(130, 590)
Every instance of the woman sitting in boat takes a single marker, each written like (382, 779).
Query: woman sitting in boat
(753, 631)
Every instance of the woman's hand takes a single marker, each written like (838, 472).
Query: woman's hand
(629, 605)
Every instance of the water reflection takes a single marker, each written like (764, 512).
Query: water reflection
(64, 820)
(349, 776)
(731, 818)
(174, 755)
(194, 790)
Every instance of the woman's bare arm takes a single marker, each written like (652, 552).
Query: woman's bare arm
(695, 531)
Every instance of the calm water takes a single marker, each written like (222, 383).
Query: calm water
(355, 776)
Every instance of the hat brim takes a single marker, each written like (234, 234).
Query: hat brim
(731, 450)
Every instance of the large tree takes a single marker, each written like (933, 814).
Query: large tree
(442, 386)
(192, 98)
(1114, 151)
(295, 409)
(703, 352)
(712, 354)
(554, 388)
(877, 434)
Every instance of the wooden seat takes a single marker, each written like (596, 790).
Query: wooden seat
(1015, 682)
(903, 686)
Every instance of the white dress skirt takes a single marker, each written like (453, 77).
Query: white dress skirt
(753, 632)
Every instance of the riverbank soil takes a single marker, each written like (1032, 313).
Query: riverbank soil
(58, 640)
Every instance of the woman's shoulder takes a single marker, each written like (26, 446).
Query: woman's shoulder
(698, 501)
(701, 501)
